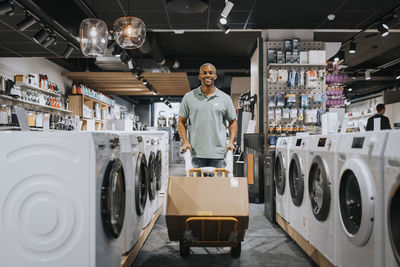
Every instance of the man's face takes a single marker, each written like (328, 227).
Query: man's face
(207, 75)
(383, 111)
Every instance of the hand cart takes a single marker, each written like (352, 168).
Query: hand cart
(225, 234)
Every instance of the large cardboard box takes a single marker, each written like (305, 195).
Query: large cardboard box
(208, 196)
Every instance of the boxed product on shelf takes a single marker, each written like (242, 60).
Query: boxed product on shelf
(303, 57)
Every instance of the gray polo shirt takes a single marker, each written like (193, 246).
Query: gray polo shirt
(207, 117)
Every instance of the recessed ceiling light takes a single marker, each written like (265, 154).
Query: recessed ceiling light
(331, 17)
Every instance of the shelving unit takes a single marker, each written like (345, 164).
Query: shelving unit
(277, 88)
(31, 105)
(27, 86)
(76, 103)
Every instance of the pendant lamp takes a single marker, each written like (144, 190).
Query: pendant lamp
(129, 32)
(93, 37)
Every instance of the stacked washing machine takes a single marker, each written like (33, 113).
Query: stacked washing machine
(282, 196)
(299, 204)
(322, 219)
(391, 200)
(62, 199)
(360, 189)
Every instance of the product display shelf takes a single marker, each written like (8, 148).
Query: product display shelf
(76, 104)
(279, 88)
(28, 86)
(31, 105)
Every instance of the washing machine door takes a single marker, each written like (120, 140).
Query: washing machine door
(113, 196)
(394, 219)
(356, 201)
(158, 170)
(280, 173)
(141, 183)
(296, 180)
(319, 188)
(152, 177)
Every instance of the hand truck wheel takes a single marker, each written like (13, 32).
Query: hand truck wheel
(235, 251)
(183, 250)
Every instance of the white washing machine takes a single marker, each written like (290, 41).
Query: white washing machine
(299, 203)
(360, 193)
(62, 199)
(391, 201)
(282, 196)
(135, 163)
(321, 172)
(151, 145)
(162, 155)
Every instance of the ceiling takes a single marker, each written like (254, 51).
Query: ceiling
(202, 41)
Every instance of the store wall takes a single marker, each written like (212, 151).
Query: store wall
(239, 86)
(122, 102)
(392, 110)
(144, 113)
(26, 65)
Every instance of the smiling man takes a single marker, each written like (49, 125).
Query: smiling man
(204, 111)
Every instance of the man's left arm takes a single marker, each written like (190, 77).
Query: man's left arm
(232, 134)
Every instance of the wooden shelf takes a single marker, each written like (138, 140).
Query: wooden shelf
(27, 86)
(33, 104)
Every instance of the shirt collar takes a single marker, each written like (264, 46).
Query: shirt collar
(199, 92)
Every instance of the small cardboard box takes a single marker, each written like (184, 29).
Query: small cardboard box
(214, 197)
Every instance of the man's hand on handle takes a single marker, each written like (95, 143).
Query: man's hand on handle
(186, 146)
(230, 146)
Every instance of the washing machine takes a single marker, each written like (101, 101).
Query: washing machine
(360, 195)
(62, 199)
(299, 203)
(151, 146)
(282, 196)
(321, 172)
(162, 155)
(391, 201)
(135, 163)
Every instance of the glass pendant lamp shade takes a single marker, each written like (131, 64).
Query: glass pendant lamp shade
(93, 37)
(129, 32)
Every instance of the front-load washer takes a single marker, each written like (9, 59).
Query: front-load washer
(391, 200)
(282, 196)
(162, 154)
(62, 199)
(321, 172)
(299, 203)
(152, 202)
(360, 193)
(135, 163)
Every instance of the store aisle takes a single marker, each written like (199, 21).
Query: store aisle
(264, 245)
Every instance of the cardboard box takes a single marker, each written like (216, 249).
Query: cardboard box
(211, 197)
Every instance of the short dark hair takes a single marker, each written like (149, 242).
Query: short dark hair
(380, 107)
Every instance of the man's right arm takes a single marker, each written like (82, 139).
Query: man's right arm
(182, 130)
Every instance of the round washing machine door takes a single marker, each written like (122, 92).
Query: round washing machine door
(319, 188)
(356, 201)
(394, 219)
(296, 180)
(158, 170)
(141, 183)
(113, 199)
(152, 176)
(280, 173)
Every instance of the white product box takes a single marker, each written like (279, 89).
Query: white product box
(119, 125)
(313, 57)
(303, 57)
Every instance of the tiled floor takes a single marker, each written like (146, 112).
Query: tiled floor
(264, 245)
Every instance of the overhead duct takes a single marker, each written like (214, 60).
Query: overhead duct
(187, 6)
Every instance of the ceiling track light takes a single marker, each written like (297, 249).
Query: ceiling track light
(50, 40)
(383, 29)
(26, 23)
(7, 8)
(223, 21)
(148, 86)
(155, 92)
(398, 77)
(41, 35)
(368, 74)
(145, 82)
(225, 28)
(68, 52)
(353, 47)
(227, 9)
(117, 51)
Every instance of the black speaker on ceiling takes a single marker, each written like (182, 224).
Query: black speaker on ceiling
(187, 6)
